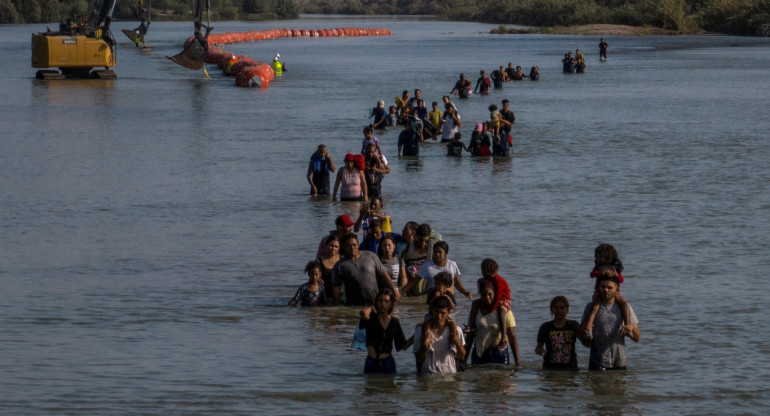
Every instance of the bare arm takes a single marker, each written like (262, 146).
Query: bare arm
(385, 278)
(514, 343)
(331, 163)
(363, 186)
(632, 331)
(337, 185)
(461, 288)
(313, 189)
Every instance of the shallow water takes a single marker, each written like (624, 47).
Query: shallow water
(154, 226)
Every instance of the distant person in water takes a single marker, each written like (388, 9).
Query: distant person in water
(603, 49)
(568, 63)
(534, 74)
(321, 164)
(462, 87)
(580, 62)
(483, 83)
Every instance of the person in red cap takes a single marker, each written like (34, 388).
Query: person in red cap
(343, 223)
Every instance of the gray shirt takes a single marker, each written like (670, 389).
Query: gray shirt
(359, 277)
(608, 348)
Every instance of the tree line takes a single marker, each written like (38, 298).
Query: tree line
(52, 11)
(739, 17)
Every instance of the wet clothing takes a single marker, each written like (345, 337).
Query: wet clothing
(383, 339)
(463, 86)
(321, 168)
(559, 345)
(326, 276)
(350, 185)
(393, 267)
(454, 149)
(409, 142)
(360, 278)
(440, 357)
(373, 178)
(603, 50)
(379, 115)
(497, 78)
(307, 297)
(608, 348)
(489, 347)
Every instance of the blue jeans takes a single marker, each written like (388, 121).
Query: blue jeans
(492, 355)
(386, 365)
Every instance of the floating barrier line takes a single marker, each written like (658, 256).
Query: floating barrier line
(251, 73)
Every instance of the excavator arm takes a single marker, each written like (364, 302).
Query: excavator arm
(192, 56)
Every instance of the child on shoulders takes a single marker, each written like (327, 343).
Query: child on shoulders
(607, 263)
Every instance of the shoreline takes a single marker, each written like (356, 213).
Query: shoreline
(593, 29)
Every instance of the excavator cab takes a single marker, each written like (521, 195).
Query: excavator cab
(78, 46)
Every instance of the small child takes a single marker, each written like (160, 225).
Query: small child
(370, 139)
(313, 292)
(434, 116)
(502, 301)
(391, 120)
(456, 146)
(441, 287)
(494, 119)
(607, 263)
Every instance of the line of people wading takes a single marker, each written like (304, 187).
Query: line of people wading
(378, 270)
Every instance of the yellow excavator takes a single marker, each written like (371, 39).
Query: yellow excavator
(80, 45)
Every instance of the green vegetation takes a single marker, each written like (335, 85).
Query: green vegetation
(739, 17)
(52, 11)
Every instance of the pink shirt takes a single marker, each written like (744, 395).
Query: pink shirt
(350, 186)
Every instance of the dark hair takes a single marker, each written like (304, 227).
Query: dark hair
(375, 222)
(384, 292)
(605, 276)
(371, 200)
(442, 245)
(423, 230)
(489, 267)
(606, 255)
(441, 302)
(482, 284)
(330, 238)
(312, 265)
(368, 129)
(379, 248)
(445, 278)
(492, 107)
(434, 103)
(505, 101)
(347, 238)
(411, 225)
(559, 298)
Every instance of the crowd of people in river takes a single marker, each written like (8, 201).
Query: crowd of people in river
(383, 266)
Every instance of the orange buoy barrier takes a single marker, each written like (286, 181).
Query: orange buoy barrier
(251, 73)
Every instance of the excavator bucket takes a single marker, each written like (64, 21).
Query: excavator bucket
(192, 57)
(134, 35)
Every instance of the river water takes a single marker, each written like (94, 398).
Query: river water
(154, 227)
